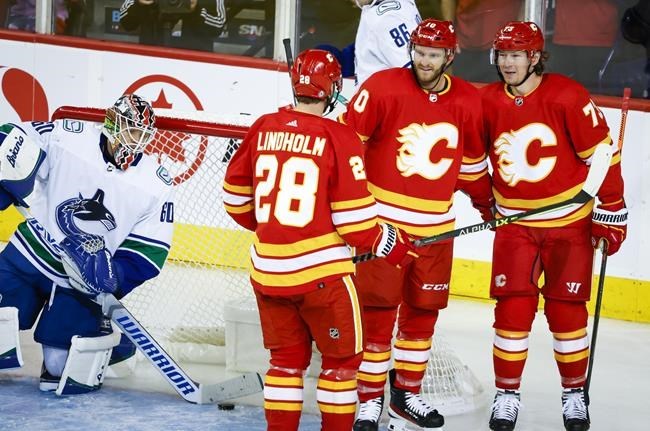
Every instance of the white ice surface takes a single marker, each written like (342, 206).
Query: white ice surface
(620, 390)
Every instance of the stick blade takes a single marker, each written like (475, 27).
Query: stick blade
(240, 386)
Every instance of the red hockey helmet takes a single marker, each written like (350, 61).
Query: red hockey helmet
(435, 33)
(316, 73)
(519, 36)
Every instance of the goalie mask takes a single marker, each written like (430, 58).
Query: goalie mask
(129, 128)
(316, 73)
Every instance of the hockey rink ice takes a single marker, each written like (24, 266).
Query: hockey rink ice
(619, 387)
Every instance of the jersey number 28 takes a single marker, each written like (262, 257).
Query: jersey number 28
(297, 185)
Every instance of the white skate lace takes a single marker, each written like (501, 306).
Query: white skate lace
(417, 405)
(370, 410)
(573, 405)
(506, 406)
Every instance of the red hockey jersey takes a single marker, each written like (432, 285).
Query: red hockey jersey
(420, 147)
(298, 181)
(541, 146)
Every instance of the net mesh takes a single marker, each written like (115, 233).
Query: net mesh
(448, 384)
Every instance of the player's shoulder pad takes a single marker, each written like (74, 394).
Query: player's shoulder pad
(464, 86)
(562, 90)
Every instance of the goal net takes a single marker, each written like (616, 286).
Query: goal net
(206, 275)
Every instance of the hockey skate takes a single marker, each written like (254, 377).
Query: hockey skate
(369, 413)
(409, 408)
(574, 410)
(505, 410)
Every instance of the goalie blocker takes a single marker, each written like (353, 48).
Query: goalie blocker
(20, 159)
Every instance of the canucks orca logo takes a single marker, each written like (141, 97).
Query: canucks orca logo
(73, 212)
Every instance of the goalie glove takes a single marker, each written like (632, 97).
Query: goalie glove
(609, 223)
(393, 245)
(89, 264)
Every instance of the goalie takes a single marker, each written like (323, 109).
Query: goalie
(100, 221)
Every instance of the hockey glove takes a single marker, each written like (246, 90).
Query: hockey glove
(20, 160)
(88, 264)
(393, 245)
(609, 223)
(485, 208)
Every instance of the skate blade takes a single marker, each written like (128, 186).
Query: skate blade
(399, 424)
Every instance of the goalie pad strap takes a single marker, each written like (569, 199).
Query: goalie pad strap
(10, 354)
(86, 364)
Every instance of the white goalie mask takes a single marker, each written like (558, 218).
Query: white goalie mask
(129, 128)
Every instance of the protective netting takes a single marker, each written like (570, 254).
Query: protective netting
(449, 385)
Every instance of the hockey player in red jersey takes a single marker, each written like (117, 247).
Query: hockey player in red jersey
(423, 141)
(543, 131)
(298, 181)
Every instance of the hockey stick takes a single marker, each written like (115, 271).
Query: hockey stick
(625, 105)
(599, 167)
(191, 391)
(594, 331)
(289, 54)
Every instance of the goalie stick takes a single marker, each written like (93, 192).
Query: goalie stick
(191, 391)
(625, 105)
(597, 171)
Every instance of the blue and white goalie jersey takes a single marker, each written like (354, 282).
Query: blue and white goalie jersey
(383, 36)
(77, 190)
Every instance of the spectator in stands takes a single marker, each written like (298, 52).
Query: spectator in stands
(581, 46)
(476, 22)
(22, 16)
(635, 27)
(202, 21)
(77, 18)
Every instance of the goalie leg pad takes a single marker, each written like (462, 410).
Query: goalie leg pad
(123, 360)
(10, 355)
(20, 159)
(86, 364)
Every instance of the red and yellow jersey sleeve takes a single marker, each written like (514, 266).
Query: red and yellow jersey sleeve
(473, 178)
(587, 127)
(238, 196)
